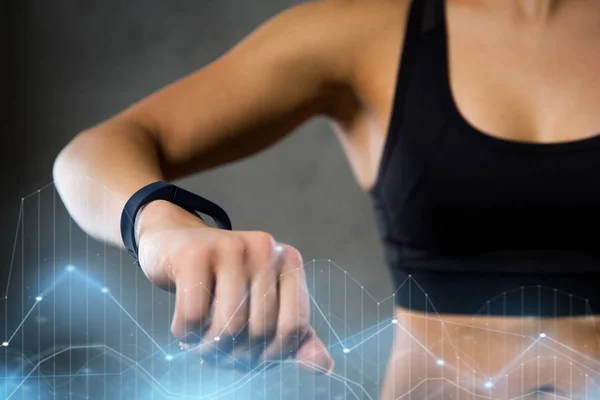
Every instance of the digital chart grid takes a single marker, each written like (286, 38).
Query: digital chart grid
(82, 322)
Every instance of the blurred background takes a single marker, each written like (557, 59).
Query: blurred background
(78, 319)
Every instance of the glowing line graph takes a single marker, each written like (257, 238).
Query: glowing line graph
(160, 350)
(350, 344)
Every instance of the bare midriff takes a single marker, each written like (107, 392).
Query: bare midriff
(435, 356)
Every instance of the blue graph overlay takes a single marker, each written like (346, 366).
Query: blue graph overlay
(81, 321)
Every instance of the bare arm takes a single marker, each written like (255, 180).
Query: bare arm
(294, 67)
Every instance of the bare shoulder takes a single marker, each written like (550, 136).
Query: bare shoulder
(359, 40)
(381, 11)
(342, 31)
(356, 26)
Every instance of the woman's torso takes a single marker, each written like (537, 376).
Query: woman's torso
(523, 102)
(480, 147)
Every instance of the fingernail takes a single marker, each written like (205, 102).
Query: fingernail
(331, 367)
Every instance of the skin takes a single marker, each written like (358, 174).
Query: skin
(520, 71)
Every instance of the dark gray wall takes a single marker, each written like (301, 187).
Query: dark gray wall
(74, 63)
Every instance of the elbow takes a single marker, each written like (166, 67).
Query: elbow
(98, 170)
(66, 173)
(76, 168)
(69, 161)
(61, 162)
(75, 175)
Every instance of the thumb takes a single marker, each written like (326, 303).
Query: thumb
(312, 355)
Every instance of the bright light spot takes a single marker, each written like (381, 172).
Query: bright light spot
(394, 321)
(39, 298)
(489, 385)
(169, 357)
(346, 350)
(5, 344)
(70, 268)
(542, 335)
(217, 338)
(440, 362)
(104, 290)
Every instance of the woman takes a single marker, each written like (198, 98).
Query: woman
(476, 148)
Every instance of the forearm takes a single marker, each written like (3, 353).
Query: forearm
(98, 172)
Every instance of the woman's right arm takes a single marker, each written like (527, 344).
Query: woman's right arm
(241, 287)
(293, 67)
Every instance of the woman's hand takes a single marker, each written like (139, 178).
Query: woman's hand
(240, 295)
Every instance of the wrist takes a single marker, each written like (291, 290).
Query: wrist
(162, 213)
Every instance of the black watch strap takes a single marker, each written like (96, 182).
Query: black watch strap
(165, 191)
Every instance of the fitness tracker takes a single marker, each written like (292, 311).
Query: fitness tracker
(165, 191)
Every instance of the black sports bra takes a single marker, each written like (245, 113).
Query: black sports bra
(449, 197)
